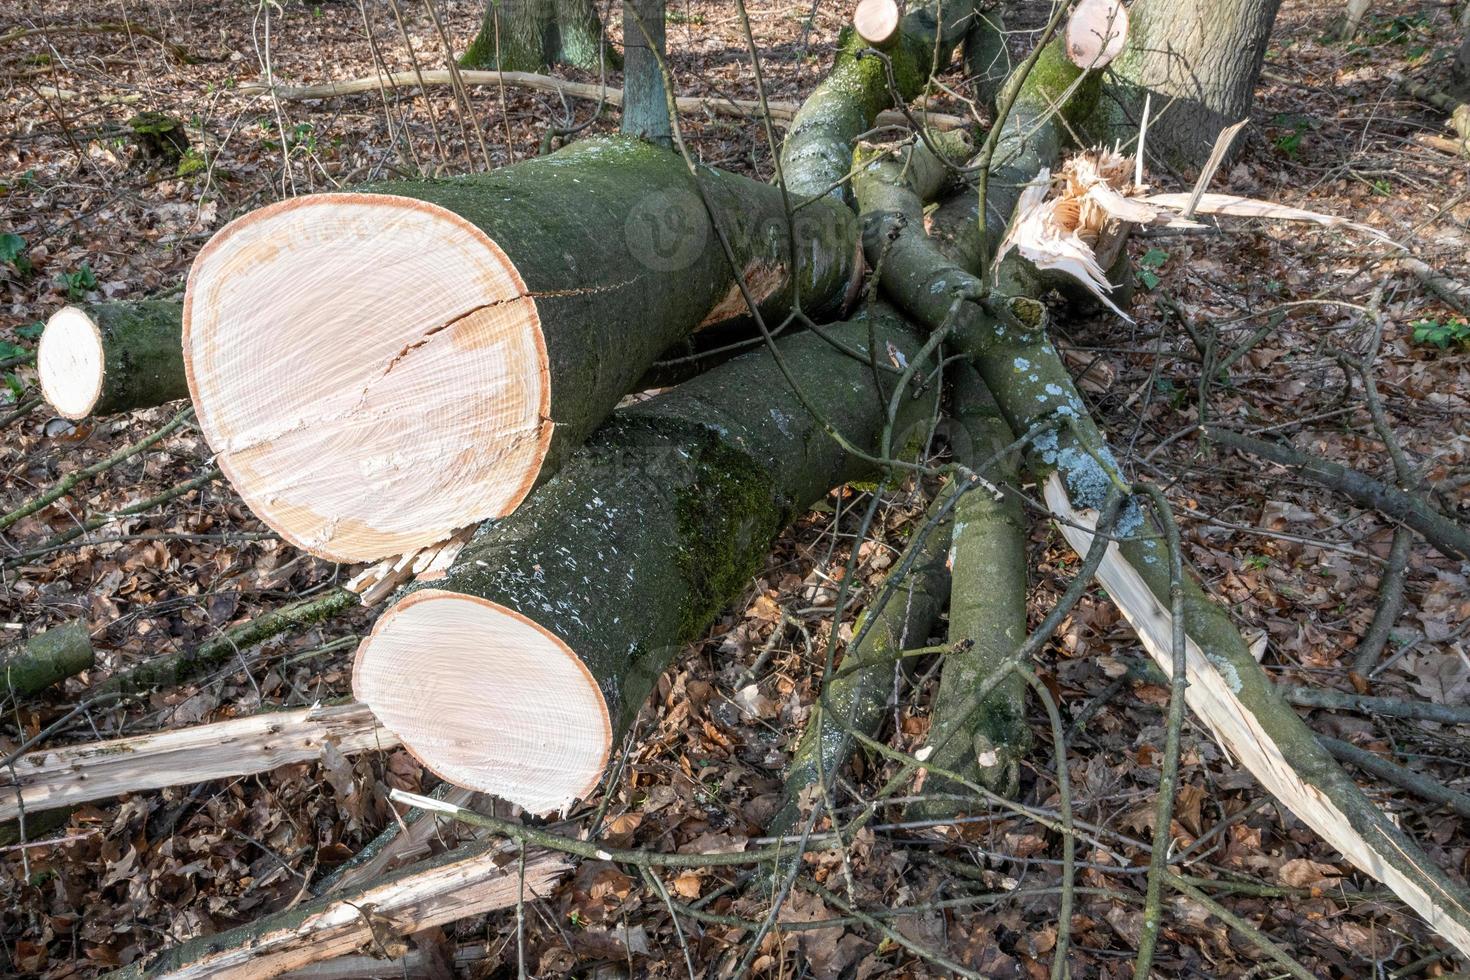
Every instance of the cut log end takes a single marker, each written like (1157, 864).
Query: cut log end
(370, 371)
(1096, 33)
(71, 363)
(876, 21)
(486, 699)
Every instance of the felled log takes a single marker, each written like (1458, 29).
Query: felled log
(112, 357)
(50, 778)
(46, 658)
(530, 657)
(453, 886)
(984, 742)
(378, 369)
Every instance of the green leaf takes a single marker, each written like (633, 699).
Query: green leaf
(31, 331)
(8, 350)
(1154, 258)
(16, 388)
(12, 247)
(1148, 278)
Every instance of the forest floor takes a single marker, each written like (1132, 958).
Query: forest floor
(121, 879)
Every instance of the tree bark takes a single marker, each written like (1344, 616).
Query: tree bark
(817, 153)
(551, 627)
(1200, 60)
(645, 99)
(534, 35)
(495, 319)
(1460, 70)
(112, 357)
(46, 658)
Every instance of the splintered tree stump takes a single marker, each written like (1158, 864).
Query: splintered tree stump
(112, 357)
(517, 672)
(378, 369)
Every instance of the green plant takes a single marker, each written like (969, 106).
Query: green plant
(9, 350)
(31, 331)
(1257, 563)
(13, 253)
(1441, 333)
(192, 162)
(1148, 267)
(1382, 188)
(79, 283)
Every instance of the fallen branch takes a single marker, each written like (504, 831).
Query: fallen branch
(178, 52)
(184, 665)
(112, 357)
(1317, 697)
(782, 113)
(46, 658)
(453, 886)
(50, 778)
(1391, 772)
(1440, 531)
(1453, 292)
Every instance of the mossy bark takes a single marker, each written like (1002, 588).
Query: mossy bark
(817, 152)
(987, 616)
(143, 355)
(666, 512)
(613, 240)
(534, 35)
(46, 658)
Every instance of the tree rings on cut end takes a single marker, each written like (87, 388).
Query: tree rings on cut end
(369, 370)
(486, 698)
(1096, 33)
(71, 362)
(876, 21)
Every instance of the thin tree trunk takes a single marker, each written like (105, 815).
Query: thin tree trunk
(112, 357)
(551, 627)
(1352, 18)
(645, 102)
(494, 320)
(1200, 60)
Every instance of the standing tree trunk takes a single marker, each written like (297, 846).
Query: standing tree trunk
(1200, 60)
(1460, 70)
(533, 35)
(645, 103)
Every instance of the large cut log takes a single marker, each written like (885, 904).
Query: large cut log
(35, 664)
(378, 369)
(112, 357)
(453, 886)
(50, 778)
(531, 656)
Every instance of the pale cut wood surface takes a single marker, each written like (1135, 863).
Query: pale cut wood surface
(70, 362)
(369, 370)
(51, 778)
(1210, 696)
(478, 883)
(485, 698)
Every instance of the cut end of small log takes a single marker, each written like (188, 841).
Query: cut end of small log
(876, 21)
(1096, 33)
(486, 698)
(369, 369)
(71, 362)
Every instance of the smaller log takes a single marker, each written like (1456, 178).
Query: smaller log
(112, 357)
(45, 659)
(453, 886)
(876, 21)
(529, 659)
(50, 778)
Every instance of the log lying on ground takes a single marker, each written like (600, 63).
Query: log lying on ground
(376, 370)
(46, 658)
(984, 742)
(550, 628)
(453, 886)
(859, 688)
(782, 113)
(1446, 535)
(50, 778)
(112, 357)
